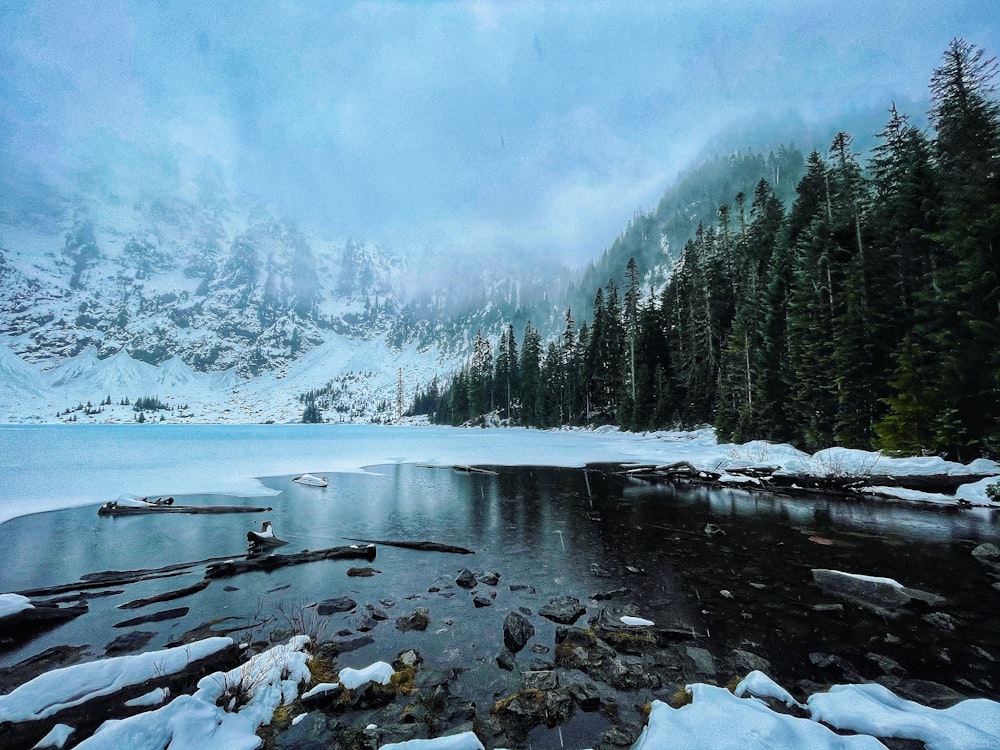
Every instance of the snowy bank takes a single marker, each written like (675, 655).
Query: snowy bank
(720, 720)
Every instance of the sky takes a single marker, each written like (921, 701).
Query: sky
(533, 128)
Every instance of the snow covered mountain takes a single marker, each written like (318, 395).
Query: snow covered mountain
(230, 312)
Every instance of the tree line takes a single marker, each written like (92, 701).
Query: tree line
(865, 314)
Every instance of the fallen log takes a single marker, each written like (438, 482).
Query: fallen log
(275, 561)
(112, 508)
(167, 595)
(118, 578)
(423, 546)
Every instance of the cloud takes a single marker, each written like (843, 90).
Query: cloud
(525, 125)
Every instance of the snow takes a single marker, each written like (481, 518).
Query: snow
(759, 684)
(11, 604)
(636, 621)
(719, 720)
(463, 741)
(195, 721)
(870, 579)
(872, 709)
(98, 461)
(379, 672)
(56, 737)
(153, 698)
(71, 686)
(320, 689)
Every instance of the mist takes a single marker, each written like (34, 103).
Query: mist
(521, 130)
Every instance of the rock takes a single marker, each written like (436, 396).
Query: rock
(987, 552)
(611, 594)
(540, 680)
(489, 578)
(408, 659)
(133, 641)
(822, 660)
(886, 664)
(924, 692)
(376, 613)
(517, 631)
(166, 614)
(366, 622)
(941, 620)
(506, 660)
(419, 620)
(466, 579)
(230, 588)
(482, 601)
(582, 689)
(522, 587)
(712, 530)
(366, 572)
(880, 595)
(332, 648)
(746, 661)
(538, 648)
(337, 604)
(564, 610)
(311, 733)
(701, 660)
(621, 735)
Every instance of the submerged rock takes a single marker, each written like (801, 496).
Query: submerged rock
(881, 595)
(419, 620)
(466, 579)
(335, 605)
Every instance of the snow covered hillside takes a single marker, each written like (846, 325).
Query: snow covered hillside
(226, 311)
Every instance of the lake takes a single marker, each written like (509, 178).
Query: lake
(560, 531)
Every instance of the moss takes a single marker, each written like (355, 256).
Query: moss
(403, 681)
(638, 642)
(681, 697)
(322, 669)
(283, 714)
(533, 697)
(734, 683)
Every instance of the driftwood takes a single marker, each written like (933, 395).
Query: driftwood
(273, 562)
(423, 546)
(118, 578)
(165, 614)
(112, 508)
(167, 595)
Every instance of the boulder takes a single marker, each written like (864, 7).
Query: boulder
(539, 680)
(337, 604)
(517, 631)
(419, 620)
(880, 595)
(482, 601)
(466, 579)
(489, 578)
(564, 610)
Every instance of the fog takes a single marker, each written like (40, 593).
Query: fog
(515, 128)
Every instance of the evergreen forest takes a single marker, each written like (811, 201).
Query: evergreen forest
(864, 311)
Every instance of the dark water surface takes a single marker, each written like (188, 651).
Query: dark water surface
(561, 531)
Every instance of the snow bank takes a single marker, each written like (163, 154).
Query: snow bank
(195, 721)
(721, 720)
(872, 709)
(11, 604)
(463, 741)
(718, 719)
(71, 686)
(379, 672)
(759, 684)
(636, 621)
(57, 737)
